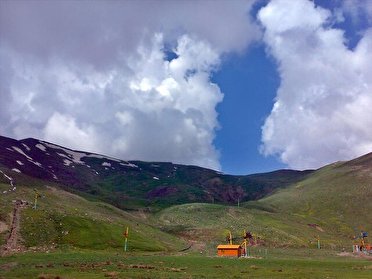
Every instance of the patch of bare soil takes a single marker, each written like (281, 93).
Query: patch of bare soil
(195, 242)
(12, 244)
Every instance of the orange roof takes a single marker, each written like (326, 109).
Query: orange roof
(221, 246)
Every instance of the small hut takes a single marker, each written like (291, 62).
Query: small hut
(229, 250)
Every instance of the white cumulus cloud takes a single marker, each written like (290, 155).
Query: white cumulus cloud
(97, 76)
(154, 109)
(322, 110)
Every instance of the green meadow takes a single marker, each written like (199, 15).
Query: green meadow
(90, 264)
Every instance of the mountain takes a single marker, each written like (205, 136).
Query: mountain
(332, 204)
(133, 184)
(168, 206)
(337, 197)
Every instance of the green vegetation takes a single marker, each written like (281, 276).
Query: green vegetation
(63, 219)
(40, 228)
(105, 264)
(333, 204)
(336, 198)
(75, 237)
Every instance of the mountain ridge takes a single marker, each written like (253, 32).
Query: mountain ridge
(133, 184)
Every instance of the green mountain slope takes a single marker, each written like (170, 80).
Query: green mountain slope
(334, 204)
(338, 197)
(63, 219)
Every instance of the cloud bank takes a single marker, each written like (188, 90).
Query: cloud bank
(126, 78)
(322, 110)
(132, 79)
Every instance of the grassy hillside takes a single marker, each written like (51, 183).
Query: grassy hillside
(333, 204)
(337, 197)
(209, 224)
(63, 220)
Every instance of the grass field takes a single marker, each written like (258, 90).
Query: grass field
(276, 263)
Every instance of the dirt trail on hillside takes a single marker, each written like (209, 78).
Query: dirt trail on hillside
(12, 244)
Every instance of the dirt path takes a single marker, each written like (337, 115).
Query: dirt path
(12, 244)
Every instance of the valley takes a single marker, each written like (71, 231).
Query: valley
(176, 215)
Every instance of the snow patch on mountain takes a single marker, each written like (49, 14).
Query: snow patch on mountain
(16, 170)
(75, 156)
(67, 162)
(19, 163)
(6, 176)
(11, 183)
(102, 157)
(63, 155)
(41, 147)
(21, 152)
(25, 146)
(37, 164)
(127, 164)
(106, 164)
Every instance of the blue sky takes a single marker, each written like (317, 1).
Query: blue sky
(251, 81)
(240, 86)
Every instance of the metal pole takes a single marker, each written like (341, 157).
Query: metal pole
(126, 234)
(318, 243)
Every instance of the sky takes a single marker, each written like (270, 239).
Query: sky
(237, 86)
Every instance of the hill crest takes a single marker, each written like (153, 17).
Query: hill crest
(134, 184)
